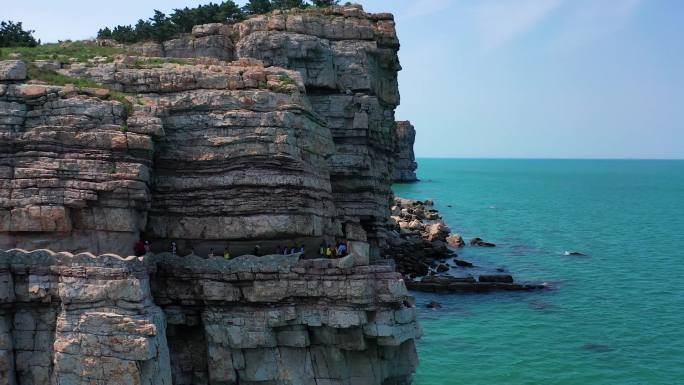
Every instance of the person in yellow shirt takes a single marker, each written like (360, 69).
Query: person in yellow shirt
(226, 253)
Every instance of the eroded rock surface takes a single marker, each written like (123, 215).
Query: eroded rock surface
(204, 153)
(348, 63)
(69, 319)
(71, 176)
(278, 128)
(164, 319)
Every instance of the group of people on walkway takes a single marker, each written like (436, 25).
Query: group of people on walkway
(324, 251)
(338, 251)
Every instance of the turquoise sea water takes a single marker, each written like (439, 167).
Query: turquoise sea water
(615, 316)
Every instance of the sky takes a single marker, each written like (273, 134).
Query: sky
(497, 78)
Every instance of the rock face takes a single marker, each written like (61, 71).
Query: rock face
(405, 162)
(221, 149)
(163, 319)
(69, 319)
(207, 153)
(278, 130)
(71, 178)
(12, 70)
(348, 63)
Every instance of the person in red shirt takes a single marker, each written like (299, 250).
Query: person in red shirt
(139, 248)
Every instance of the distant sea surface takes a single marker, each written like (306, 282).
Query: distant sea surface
(614, 317)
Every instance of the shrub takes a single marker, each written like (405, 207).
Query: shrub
(287, 4)
(13, 35)
(325, 3)
(161, 27)
(257, 7)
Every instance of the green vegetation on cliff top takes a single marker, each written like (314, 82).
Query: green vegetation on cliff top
(13, 35)
(162, 27)
(54, 78)
(69, 51)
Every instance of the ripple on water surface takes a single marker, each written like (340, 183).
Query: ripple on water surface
(613, 317)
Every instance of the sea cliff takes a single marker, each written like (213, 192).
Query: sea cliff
(282, 130)
(278, 130)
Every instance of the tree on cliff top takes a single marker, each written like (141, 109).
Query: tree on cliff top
(288, 4)
(13, 35)
(257, 7)
(161, 27)
(325, 3)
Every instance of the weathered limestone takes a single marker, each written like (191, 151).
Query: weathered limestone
(229, 127)
(405, 162)
(278, 130)
(238, 141)
(82, 319)
(12, 70)
(348, 60)
(348, 63)
(79, 319)
(71, 176)
(282, 320)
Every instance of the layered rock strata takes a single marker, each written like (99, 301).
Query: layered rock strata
(405, 162)
(264, 154)
(205, 154)
(163, 319)
(71, 177)
(348, 62)
(68, 319)
(278, 130)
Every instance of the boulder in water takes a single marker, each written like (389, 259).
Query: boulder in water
(442, 268)
(434, 305)
(574, 254)
(481, 243)
(455, 240)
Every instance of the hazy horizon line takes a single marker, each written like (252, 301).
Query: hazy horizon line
(540, 158)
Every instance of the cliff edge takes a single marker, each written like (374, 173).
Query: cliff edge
(275, 131)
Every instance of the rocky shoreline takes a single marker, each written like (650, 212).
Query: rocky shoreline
(425, 252)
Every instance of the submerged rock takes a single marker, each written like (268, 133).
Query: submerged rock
(481, 243)
(462, 263)
(449, 284)
(496, 278)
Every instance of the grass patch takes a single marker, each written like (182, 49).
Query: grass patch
(63, 51)
(57, 79)
(159, 61)
(286, 80)
(54, 78)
